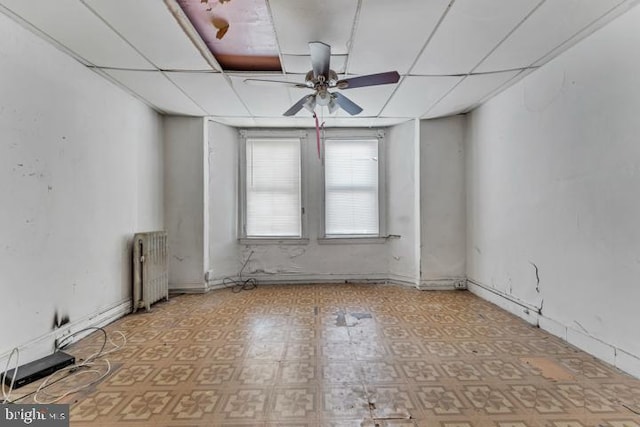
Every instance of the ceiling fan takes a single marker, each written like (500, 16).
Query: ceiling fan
(321, 78)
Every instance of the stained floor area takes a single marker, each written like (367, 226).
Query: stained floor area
(344, 355)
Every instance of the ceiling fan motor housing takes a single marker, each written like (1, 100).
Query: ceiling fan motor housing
(330, 80)
(321, 78)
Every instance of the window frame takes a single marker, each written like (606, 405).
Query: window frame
(354, 135)
(246, 135)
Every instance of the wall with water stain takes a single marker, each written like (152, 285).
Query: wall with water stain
(186, 165)
(403, 216)
(224, 251)
(553, 172)
(81, 170)
(442, 202)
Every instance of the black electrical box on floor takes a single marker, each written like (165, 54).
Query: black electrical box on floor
(40, 368)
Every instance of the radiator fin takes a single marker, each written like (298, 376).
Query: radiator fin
(150, 269)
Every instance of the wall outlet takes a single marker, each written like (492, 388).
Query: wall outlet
(65, 340)
(460, 284)
(208, 276)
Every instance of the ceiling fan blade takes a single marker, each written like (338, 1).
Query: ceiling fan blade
(320, 57)
(346, 104)
(297, 106)
(369, 80)
(263, 82)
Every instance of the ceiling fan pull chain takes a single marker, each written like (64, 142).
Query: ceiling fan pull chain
(315, 116)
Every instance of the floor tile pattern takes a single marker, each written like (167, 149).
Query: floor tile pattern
(344, 355)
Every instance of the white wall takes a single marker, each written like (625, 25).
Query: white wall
(442, 202)
(553, 178)
(224, 251)
(80, 172)
(315, 261)
(403, 217)
(435, 174)
(185, 142)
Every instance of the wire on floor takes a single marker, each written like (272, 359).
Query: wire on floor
(94, 364)
(240, 284)
(6, 395)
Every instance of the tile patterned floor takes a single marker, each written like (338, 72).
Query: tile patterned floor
(345, 355)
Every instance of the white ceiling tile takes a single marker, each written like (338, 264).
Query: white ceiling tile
(263, 100)
(417, 94)
(390, 34)
(149, 26)
(158, 91)
(74, 26)
(302, 63)
(468, 33)
(299, 22)
(469, 92)
(211, 91)
(371, 99)
(551, 25)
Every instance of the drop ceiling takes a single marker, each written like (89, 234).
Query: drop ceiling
(452, 55)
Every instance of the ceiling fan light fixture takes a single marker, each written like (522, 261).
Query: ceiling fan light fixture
(321, 78)
(310, 104)
(333, 106)
(323, 98)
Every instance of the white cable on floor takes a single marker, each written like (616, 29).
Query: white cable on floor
(6, 395)
(75, 372)
(89, 365)
(89, 362)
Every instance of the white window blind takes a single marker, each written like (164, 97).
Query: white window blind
(273, 200)
(351, 187)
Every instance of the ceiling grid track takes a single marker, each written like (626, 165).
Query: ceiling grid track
(280, 54)
(184, 93)
(157, 69)
(275, 35)
(45, 36)
(454, 56)
(195, 38)
(190, 31)
(105, 22)
(100, 71)
(424, 46)
(572, 40)
(518, 25)
(549, 54)
(352, 36)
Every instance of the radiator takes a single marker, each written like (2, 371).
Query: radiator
(150, 269)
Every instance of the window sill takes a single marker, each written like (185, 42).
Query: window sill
(351, 240)
(273, 241)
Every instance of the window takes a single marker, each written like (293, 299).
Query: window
(351, 188)
(272, 188)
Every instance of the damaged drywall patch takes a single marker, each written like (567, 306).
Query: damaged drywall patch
(295, 252)
(266, 260)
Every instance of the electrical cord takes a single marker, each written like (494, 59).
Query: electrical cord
(6, 396)
(88, 365)
(89, 362)
(61, 344)
(74, 372)
(240, 284)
